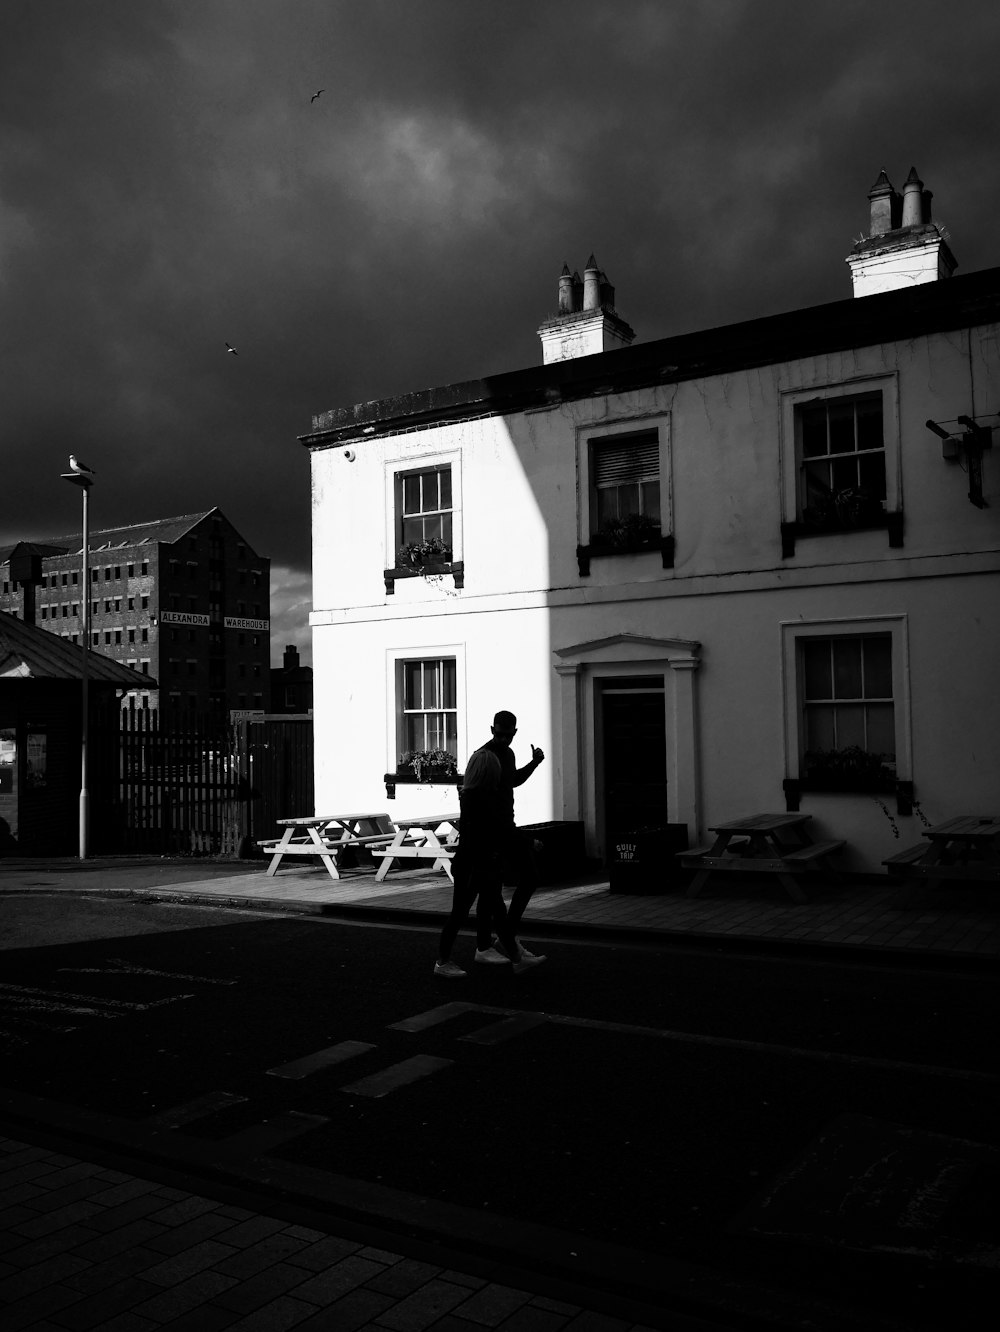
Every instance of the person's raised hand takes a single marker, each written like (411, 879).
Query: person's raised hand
(536, 755)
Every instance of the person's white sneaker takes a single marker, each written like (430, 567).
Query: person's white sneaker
(526, 955)
(447, 969)
(491, 955)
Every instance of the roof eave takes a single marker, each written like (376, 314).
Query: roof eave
(855, 322)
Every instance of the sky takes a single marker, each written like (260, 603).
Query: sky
(169, 183)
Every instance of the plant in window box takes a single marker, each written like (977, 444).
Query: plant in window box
(849, 769)
(841, 510)
(429, 765)
(633, 532)
(418, 554)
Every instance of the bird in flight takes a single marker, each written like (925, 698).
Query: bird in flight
(75, 465)
(231, 349)
(315, 95)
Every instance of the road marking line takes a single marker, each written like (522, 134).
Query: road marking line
(796, 1052)
(397, 1075)
(262, 1137)
(333, 1054)
(19, 1020)
(189, 1111)
(20, 1001)
(434, 1016)
(118, 966)
(121, 1005)
(505, 1029)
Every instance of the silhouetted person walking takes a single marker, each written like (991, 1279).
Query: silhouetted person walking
(517, 859)
(476, 870)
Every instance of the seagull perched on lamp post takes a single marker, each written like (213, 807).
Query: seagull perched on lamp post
(231, 349)
(81, 468)
(315, 95)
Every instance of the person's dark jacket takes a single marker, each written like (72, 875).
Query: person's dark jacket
(510, 776)
(481, 828)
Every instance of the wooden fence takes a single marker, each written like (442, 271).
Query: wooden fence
(200, 788)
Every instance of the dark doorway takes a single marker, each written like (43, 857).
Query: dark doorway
(634, 756)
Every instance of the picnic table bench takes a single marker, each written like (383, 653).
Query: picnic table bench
(963, 849)
(758, 843)
(433, 838)
(326, 835)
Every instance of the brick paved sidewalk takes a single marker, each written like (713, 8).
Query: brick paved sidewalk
(85, 1247)
(960, 922)
(963, 923)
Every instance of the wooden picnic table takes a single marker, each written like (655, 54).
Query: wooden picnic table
(434, 837)
(776, 843)
(963, 849)
(324, 835)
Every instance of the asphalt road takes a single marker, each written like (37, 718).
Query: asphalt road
(666, 1100)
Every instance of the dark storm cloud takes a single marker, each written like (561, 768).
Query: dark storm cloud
(167, 185)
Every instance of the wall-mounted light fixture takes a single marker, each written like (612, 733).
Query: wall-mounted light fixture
(969, 443)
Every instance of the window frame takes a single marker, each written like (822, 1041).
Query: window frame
(794, 633)
(590, 542)
(595, 447)
(396, 661)
(395, 470)
(437, 667)
(793, 401)
(402, 515)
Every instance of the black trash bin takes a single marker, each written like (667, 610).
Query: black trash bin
(558, 849)
(645, 861)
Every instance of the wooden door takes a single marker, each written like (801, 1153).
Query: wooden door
(633, 756)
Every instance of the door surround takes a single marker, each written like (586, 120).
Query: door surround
(675, 660)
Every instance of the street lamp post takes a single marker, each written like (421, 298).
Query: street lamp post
(84, 482)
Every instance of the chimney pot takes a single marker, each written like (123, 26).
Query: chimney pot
(565, 291)
(884, 201)
(591, 285)
(913, 203)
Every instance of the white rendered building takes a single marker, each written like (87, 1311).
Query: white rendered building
(722, 573)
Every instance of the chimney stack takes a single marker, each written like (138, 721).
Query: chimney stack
(586, 322)
(904, 247)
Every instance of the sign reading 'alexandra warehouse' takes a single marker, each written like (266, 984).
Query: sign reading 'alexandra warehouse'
(230, 621)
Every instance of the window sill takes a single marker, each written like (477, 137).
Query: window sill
(598, 550)
(887, 522)
(394, 779)
(902, 789)
(432, 568)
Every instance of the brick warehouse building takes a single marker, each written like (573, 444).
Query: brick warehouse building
(183, 600)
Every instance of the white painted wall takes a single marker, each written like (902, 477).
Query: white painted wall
(725, 460)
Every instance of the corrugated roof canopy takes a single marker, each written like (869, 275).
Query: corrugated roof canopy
(30, 653)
